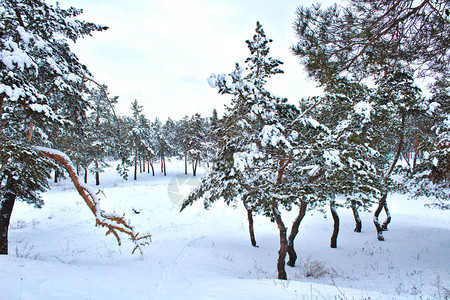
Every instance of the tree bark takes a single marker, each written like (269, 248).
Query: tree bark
(388, 217)
(135, 165)
(377, 214)
(335, 216)
(6, 208)
(293, 234)
(358, 222)
(250, 222)
(185, 163)
(283, 243)
(97, 173)
(194, 166)
(85, 175)
(113, 222)
(164, 162)
(56, 176)
(153, 169)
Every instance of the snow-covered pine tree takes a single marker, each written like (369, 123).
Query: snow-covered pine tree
(183, 138)
(136, 134)
(257, 143)
(431, 177)
(36, 62)
(102, 129)
(197, 129)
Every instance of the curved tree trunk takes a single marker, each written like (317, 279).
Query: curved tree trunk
(382, 203)
(153, 169)
(377, 214)
(358, 223)
(250, 222)
(6, 208)
(293, 234)
(335, 216)
(283, 243)
(388, 217)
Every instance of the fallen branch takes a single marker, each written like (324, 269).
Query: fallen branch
(113, 222)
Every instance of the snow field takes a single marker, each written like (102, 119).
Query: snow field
(57, 253)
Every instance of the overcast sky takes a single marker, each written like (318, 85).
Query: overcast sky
(161, 52)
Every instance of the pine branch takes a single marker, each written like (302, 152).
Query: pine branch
(113, 222)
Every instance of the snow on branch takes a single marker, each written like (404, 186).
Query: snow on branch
(113, 222)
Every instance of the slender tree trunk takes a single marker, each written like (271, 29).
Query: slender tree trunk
(185, 163)
(140, 164)
(377, 214)
(135, 165)
(78, 169)
(6, 208)
(97, 173)
(250, 222)
(148, 165)
(335, 216)
(283, 243)
(388, 217)
(143, 164)
(153, 169)
(164, 163)
(85, 175)
(293, 234)
(56, 176)
(194, 166)
(358, 222)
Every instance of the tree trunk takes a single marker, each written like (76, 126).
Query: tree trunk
(153, 169)
(97, 173)
(334, 213)
(358, 222)
(164, 163)
(85, 175)
(143, 164)
(388, 217)
(56, 176)
(194, 166)
(382, 203)
(6, 208)
(185, 163)
(140, 164)
(250, 222)
(283, 243)
(135, 165)
(293, 234)
(148, 165)
(377, 214)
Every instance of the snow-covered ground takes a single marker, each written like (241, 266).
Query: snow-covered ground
(57, 253)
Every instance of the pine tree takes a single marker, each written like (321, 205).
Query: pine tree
(255, 145)
(36, 63)
(431, 177)
(367, 34)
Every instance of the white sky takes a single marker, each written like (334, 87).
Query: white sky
(161, 52)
